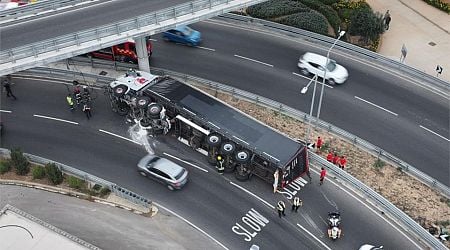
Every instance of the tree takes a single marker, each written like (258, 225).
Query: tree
(365, 23)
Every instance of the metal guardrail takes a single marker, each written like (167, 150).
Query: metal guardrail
(117, 190)
(317, 38)
(61, 47)
(35, 8)
(389, 208)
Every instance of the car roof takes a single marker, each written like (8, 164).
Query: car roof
(168, 167)
(315, 58)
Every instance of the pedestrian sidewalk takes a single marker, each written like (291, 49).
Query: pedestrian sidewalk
(425, 31)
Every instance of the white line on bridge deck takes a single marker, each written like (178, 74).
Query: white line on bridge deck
(55, 119)
(373, 104)
(253, 60)
(431, 131)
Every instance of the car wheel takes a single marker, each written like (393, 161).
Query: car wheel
(304, 71)
(170, 187)
(331, 81)
(143, 173)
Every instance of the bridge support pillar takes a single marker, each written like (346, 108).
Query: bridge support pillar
(142, 53)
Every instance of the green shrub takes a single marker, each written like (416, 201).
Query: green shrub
(76, 183)
(20, 162)
(379, 164)
(104, 191)
(439, 4)
(275, 8)
(330, 14)
(38, 172)
(367, 24)
(5, 166)
(53, 173)
(312, 21)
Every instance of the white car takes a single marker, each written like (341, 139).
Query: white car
(311, 63)
(370, 247)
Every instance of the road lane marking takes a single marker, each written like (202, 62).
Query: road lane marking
(5, 111)
(253, 60)
(252, 194)
(373, 104)
(319, 82)
(431, 131)
(55, 119)
(191, 224)
(304, 229)
(153, 40)
(119, 136)
(200, 47)
(174, 157)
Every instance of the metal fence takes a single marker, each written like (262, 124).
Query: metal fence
(89, 178)
(385, 62)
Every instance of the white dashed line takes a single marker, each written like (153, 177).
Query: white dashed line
(253, 60)
(191, 224)
(56, 119)
(300, 75)
(5, 111)
(431, 131)
(119, 136)
(200, 47)
(174, 157)
(153, 40)
(312, 235)
(252, 194)
(373, 104)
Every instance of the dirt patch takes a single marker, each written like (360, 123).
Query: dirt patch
(419, 201)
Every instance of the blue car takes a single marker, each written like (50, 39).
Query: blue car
(183, 34)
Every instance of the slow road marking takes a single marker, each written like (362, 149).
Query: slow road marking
(253, 60)
(195, 166)
(373, 104)
(431, 131)
(56, 119)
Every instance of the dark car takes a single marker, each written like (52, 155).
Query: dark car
(163, 170)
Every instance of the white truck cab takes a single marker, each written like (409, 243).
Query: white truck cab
(133, 80)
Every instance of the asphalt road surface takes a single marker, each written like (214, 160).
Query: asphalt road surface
(216, 204)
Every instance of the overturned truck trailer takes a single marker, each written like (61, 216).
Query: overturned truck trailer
(164, 105)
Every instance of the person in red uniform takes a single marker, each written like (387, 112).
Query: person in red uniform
(342, 162)
(319, 144)
(335, 158)
(323, 173)
(330, 156)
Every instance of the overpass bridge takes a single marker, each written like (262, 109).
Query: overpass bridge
(44, 40)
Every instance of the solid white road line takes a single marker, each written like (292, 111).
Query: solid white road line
(119, 136)
(153, 40)
(373, 104)
(297, 74)
(312, 235)
(253, 60)
(55, 119)
(5, 111)
(252, 194)
(431, 131)
(191, 224)
(174, 157)
(200, 47)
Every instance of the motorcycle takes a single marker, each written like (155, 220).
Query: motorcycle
(334, 221)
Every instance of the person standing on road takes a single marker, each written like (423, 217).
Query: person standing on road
(220, 167)
(342, 162)
(87, 110)
(281, 207)
(69, 101)
(318, 144)
(387, 19)
(297, 203)
(323, 173)
(7, 85)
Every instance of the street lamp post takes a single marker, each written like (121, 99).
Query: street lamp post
(325, 73)
(303, 91)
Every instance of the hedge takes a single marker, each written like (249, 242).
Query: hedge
(439, 4)
(76, 183)
(330, 14)
(312, 21)
(38, 172)
(20, 162)
(53, 173)
(276, 8)
(5, 166)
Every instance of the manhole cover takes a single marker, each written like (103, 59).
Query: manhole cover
(431, 44)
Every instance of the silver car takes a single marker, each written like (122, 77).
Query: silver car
(163, 170)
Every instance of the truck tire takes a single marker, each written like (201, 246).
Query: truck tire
(142, 102)
(213, 140)
(154, 109)
(120, 90)
(229, 167)
(227, 148)
(145, 122)
(242, 156)
(122, 109)
(241, 173)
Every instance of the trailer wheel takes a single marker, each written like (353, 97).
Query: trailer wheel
(227, 148)
(154, 109)
(242, 156)
(213, 140)
(242, 173)
(120, 90)
(122, 109)
(142, 102)
(145, 122)
(230, 167)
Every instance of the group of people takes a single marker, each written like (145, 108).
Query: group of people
(81, 98)
(334, 158)
(281, 206)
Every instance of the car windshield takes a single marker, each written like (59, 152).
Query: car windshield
(187, 31)
(153, 160)
(180, 174)
(331, 65)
